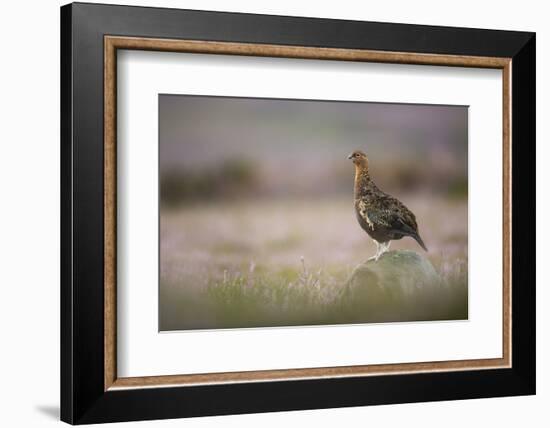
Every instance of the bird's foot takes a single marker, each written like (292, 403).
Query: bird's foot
(381, 249)
(375, 257)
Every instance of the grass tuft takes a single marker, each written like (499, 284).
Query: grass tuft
(306, 296)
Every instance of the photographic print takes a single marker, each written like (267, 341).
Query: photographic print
(288, 212)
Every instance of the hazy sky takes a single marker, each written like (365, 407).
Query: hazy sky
(197, 129)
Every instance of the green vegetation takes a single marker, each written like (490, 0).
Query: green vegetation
(229, 179)
(304, 297)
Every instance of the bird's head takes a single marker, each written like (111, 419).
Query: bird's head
(359, 159)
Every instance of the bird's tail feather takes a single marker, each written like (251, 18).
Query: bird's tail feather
(420, 241)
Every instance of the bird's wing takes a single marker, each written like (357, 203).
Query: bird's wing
(405, 218)
(390, 213)
(374, 215)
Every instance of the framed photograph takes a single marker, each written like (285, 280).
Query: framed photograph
(265, 213)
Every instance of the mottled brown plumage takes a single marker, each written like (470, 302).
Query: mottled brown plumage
(382, 216)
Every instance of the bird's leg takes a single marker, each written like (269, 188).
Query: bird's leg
(375, 257)
(385, 246)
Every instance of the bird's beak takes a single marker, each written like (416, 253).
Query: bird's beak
(350, 156)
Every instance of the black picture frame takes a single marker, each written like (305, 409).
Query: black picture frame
(83, 398)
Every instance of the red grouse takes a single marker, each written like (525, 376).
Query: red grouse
(382, 216)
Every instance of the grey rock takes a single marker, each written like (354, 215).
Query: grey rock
(399, 285)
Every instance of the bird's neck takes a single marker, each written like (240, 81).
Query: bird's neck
(363, 181)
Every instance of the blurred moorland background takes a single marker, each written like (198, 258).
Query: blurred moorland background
(257, 226)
